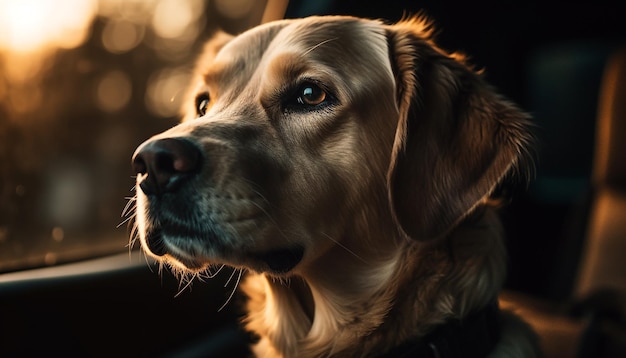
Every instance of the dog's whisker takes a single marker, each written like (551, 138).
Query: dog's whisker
(271, 218)
(252, 185)
(319, 44)
(125, 221)
(130, 205)
(145, 258)
(189, 280)
(285, 281)
(344, 247)
(232, 292)
(134, 232)
(130, 250)
(213, 274)
(231, 277)
(131, 244)
(202, 276)
(134, 235)
(263, 210)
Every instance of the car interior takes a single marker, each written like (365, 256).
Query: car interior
(72, 113)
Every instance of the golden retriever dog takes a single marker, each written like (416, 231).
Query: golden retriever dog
(347, 166)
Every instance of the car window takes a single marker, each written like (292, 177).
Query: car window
(82, 83)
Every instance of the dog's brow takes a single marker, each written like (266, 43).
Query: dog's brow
(213, 74)
(218, 70)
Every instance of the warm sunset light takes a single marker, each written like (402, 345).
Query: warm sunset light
(33, 31)
(29, 25)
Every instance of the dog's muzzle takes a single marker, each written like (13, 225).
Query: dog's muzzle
(163, 166)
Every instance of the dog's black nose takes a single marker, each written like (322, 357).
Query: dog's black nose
(164, 164)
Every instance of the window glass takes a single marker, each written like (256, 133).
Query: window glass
(82, 83)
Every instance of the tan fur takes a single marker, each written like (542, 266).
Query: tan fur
(385, 189)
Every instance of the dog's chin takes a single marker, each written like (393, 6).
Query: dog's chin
(184, 265)
(154, 244)
(278, 261)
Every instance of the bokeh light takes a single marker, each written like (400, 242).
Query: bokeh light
(21, 103)
(70, 189)
(114, 91)
(166, 90)
(121, 35)
(234, 9)
(172, 17)
(136, 11)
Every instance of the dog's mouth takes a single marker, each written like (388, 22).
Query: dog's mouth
(155, 243)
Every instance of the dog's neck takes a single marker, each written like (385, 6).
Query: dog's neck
(319, 306)
(328, 308)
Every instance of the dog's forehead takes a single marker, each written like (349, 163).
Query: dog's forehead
(304, 33)
(335, 31)
(329, 40)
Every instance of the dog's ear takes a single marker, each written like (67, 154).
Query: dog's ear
(218, 40)
(456, 137)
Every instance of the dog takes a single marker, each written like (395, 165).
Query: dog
(348, 165)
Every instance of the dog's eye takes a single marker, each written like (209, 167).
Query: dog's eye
(203, 102)
(306, 97)
(311, 94)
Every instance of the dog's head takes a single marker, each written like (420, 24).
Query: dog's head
(300, 133)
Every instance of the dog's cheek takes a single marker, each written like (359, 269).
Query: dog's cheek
(323, 196)
(266, 172)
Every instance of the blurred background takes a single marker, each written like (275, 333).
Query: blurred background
(83, 82)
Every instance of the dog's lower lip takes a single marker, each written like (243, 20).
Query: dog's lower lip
(190, 264)
(283, 260)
